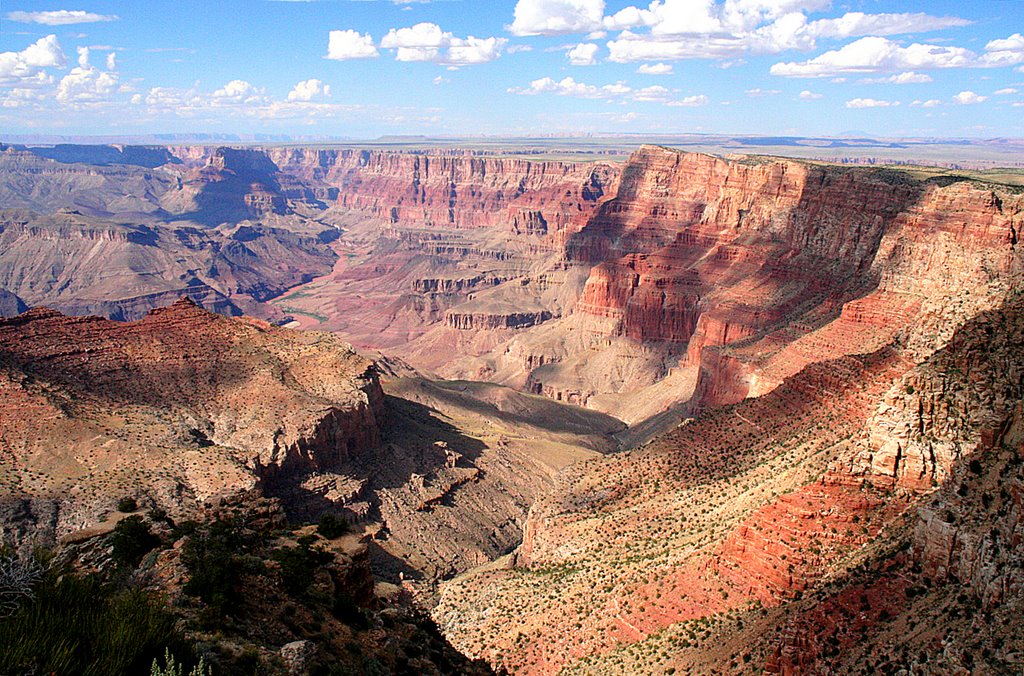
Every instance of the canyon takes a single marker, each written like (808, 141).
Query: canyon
(683, 413)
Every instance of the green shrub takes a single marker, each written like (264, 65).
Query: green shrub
(127, 504)
(298, 564)
(332, 526)
(131, 540)
(77, 625)
(215, 557)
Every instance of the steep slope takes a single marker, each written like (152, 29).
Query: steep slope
(710, 279)
(94, 410)
(86, 265)
(185, 407)
(786, 531)
(10, 304)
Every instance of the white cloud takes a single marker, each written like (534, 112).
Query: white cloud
(28, 64)
(909, 77)
(427, 42)
(807, 95)
(568, 86)
(583, 54)
(967, 98)
(871, 103)
(60, 17)
(1005, 52)
(239, 92)
(652, 93)
(1005, 92)
(689, 101)
(422, 42)
(553, 17)
(877, 54)
(310, 90)
(112, 61)
(439, 80)
(705, 29)
(655, 69)
(565, 87)
(350, 44)
(761, 93)
(856, 24)
(471, 50)
(930, 103)
(85, 84)
(630, 17)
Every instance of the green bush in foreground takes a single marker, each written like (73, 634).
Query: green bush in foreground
(78, 625)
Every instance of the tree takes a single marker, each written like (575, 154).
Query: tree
(131, 540)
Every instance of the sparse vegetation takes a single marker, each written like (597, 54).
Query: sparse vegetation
(81, 625)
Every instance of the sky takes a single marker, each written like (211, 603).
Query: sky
(365, 68)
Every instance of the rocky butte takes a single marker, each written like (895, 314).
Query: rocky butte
(820, 367)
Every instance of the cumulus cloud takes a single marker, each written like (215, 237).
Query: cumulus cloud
(909, 77)
(86, 84)
(239, 92)
(689, 101)
(427, 42)
(930, 103)
(875, 54)
(350, 44)
(854, 24)
(471, 50)
(967, 98)
(28, 64)
(60, 17)
(695, 29)
(808, 95)
(553, 17)
(870, 103)
(761, 93)
(655, 69)
(583, 54)
(1006, 91)
(568, 86)
(878, 54)
(652, 93)
(310, 90)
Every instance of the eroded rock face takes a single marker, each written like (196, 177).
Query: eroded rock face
(180, 406)
(783, 529)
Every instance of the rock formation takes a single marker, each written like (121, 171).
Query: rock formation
(858, 515)
(94, 409)
(185, 406)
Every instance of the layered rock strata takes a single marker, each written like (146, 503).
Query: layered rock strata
(180, 406)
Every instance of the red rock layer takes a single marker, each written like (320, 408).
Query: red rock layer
(283, 401)
(454, 190)
(781, 258)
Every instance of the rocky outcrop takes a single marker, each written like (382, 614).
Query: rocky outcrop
(180, 406)
(486, 321)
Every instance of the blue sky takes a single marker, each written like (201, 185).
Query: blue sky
(364, 68)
